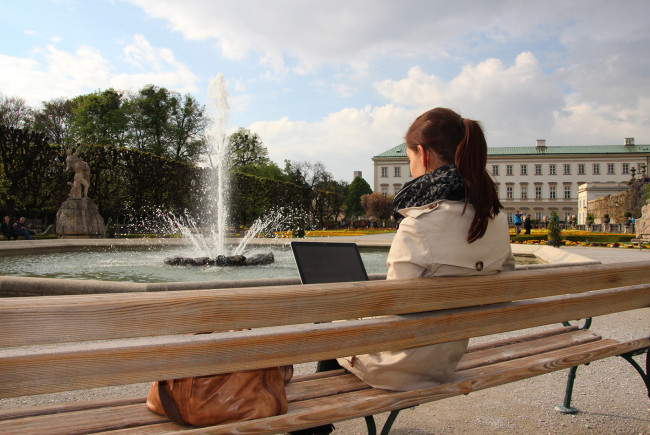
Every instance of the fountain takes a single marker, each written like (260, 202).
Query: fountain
(212, 247)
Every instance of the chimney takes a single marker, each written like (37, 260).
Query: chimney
(541, 144)
(629, 141)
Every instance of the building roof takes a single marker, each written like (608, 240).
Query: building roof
(400, 150)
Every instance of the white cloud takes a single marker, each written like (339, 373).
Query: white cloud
(515, 102)
(56, 73)
(344, 141)
(52, 73)
(158, 65)
(301, 36)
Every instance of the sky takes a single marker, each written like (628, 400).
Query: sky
(339, 82)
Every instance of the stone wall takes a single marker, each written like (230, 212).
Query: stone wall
(613, 205)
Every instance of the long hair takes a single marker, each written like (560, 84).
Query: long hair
(462, 142)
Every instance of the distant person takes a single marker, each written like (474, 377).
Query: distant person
(7, 229)
(517, 222)
(528, 225)
(21, 228)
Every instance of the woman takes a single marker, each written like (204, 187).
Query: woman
(449, 224)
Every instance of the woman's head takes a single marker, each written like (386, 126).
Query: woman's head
(442, 137)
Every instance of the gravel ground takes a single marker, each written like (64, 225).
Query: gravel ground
(610, 395)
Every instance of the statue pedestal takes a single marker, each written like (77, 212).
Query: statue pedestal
(78, 218)
(643, 224)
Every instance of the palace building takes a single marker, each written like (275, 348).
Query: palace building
(536, 180)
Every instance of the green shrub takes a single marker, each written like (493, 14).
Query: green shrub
(109, 232)
(554, 231)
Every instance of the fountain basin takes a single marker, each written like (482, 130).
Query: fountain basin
(146, 258)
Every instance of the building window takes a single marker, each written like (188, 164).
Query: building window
(397, 171)
(524, 192)
(626, 168)
(567, 215)
(610, 168)
(384, 189)
(551, 169)
(639, 168)
(538, 169)
(524, 169)
(567, 169)
(509, 194)
(511, 217)
(508, 169)
(581, 169)
(384, 171)
(567, 192)
(396, 188)
(538, 216)
(495, 169)
(538, 192)
(596, 168)
(552, 192)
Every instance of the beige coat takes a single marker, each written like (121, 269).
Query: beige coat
(432, 241)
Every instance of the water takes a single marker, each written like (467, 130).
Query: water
(147, 266)
(210, 241)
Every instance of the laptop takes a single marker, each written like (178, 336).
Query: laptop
(323, 262)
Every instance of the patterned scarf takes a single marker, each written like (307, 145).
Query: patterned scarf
(443, 183)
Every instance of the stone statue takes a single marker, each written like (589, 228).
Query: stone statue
(81, 174)
(78, 217)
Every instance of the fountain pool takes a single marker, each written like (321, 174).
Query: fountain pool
(138, 264)
(82, 266)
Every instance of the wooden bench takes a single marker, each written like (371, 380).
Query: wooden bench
(65, 343)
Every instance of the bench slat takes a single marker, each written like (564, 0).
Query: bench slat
(523, 349)
(305, 410)
(119, 315)
(359, 404)
(521, 338)
(32, 370)
(304, 387)
(7, 414)
(93, 420)
(304, 390)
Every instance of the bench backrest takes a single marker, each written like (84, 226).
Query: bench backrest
(61, 343)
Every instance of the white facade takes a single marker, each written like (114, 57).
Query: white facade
(535, 180)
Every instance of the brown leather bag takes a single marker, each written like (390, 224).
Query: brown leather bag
(224, 398)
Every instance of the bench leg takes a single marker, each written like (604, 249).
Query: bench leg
(645, 376)
(566, 407)
(372, 427)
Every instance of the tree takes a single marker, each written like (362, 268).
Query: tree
(356, 190)
(101, 118)
(246, 148)
(378, 205)
(266, 170)
(554, 231)
(153, 108)
(187, 125)
(55, 120)
(14, 112)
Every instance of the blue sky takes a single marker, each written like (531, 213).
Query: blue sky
(340, 81)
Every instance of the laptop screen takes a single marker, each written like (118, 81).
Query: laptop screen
(322, 262)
